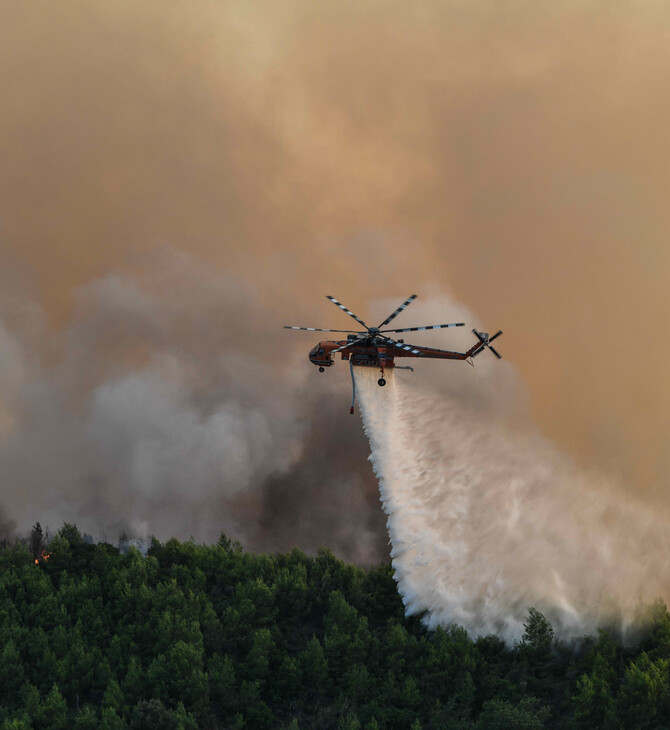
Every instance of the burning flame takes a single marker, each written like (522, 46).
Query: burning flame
(43, 556)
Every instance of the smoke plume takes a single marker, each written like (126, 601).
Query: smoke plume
(166, 407)
(180, 179)
(512, 152)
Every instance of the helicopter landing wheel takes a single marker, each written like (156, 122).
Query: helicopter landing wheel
(381, 381)
(322, 370)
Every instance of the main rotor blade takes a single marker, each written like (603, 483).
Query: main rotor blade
(349, 344)
(397, 311)
(495, 352)
(430, 327)
(318, 329)
(497, 334)
(409, 348)
(344, 309)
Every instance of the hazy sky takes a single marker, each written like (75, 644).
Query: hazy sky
(511, 154)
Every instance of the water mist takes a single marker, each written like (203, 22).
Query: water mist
(484, 523)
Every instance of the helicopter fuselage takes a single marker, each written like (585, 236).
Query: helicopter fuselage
(372, 347)
(367, 353)
(378, 353)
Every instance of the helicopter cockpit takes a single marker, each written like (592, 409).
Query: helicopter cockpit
(318, 356)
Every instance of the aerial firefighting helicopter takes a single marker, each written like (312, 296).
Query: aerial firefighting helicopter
(372, 348)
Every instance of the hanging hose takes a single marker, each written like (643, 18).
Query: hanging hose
(353, 383)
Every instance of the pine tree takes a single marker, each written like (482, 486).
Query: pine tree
(36, 541)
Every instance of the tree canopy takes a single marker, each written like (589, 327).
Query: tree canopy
(193, 636)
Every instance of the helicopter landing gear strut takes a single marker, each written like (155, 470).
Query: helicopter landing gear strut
(381, 381)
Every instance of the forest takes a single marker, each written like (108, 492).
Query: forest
(211, 636)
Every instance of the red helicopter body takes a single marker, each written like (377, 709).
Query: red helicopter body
(372, 347)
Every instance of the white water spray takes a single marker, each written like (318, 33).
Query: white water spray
(484, 524)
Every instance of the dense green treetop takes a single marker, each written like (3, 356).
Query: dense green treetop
(192, 636)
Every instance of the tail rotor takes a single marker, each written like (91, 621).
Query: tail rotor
(485, 342)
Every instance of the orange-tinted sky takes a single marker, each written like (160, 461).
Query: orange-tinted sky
(515, 154)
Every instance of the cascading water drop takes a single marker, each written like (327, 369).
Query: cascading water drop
(484, 523)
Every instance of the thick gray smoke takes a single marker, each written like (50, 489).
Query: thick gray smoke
(486, 521)
(513, 149)
(173, 404)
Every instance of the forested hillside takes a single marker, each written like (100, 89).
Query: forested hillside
(195, 636)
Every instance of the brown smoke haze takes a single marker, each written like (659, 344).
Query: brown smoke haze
(178, 180)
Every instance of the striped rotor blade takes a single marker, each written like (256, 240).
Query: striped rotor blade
(495, 352)
(397, 311)
(409, 348)
(430, 327)
(349, 344)
(344, 309)
(318, 329)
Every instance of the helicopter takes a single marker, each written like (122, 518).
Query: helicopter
(371, 346)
